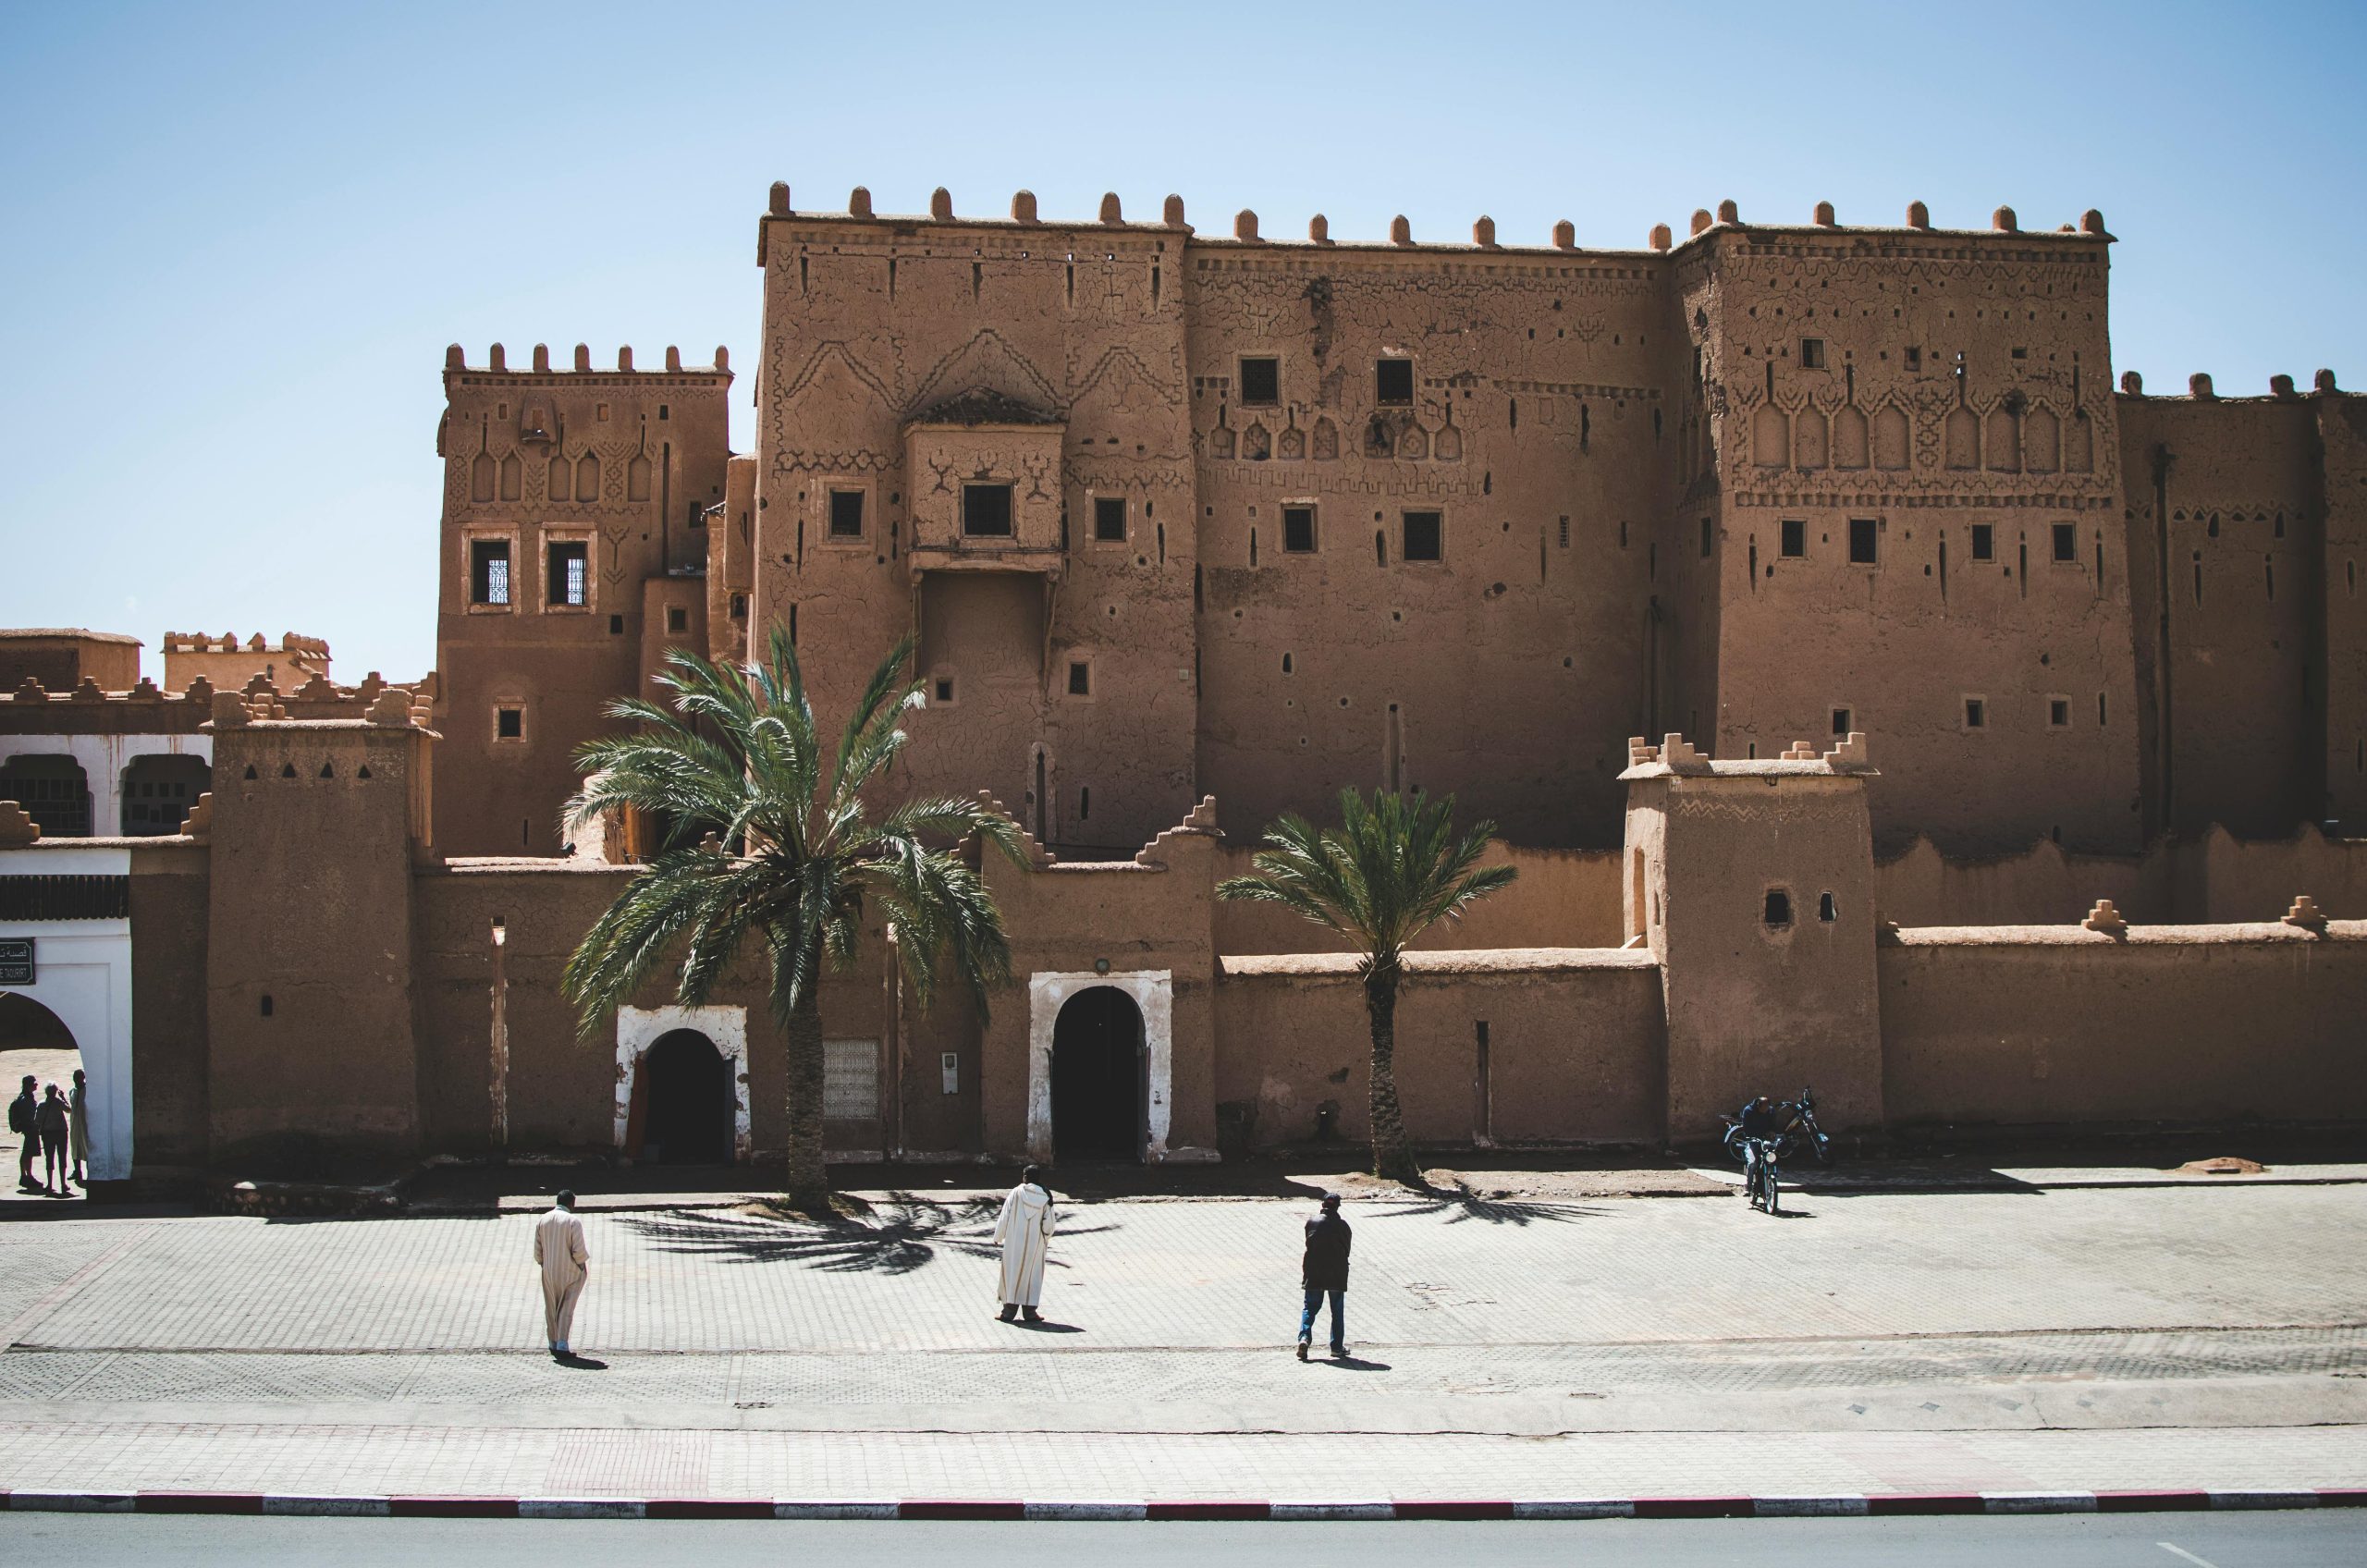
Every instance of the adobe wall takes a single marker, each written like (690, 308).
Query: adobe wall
(560, 1088)
(1148, 914)
(624, 462)
(310, 1026)
(170, 932)
(64, 657)
(1574, 1048)
(2216, 877)
(2002, 417)
(2229, 493)
(2058, 1024)
(2342, 444)
(227, 662)
(1562, 898)
(1508, 670)
(872, 324)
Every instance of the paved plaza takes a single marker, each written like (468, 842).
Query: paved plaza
(2099, 1337)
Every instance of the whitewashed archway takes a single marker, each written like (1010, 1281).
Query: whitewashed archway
(638, 1028)
(82, 973)
(1153, 991)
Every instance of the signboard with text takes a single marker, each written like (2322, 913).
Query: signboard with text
(15, 960)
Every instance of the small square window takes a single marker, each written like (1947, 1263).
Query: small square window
(1976, 712)
(1778, 910)
(846, 514)
(1915, 359)
(1080, 679)
(1811, 353)
(944, 689)
(2021, 353)
(739, 607)
(1425, 536)
(1109, 518)
(490, 572)
(1863, 535)
(985, 511)
(677, 618)
(509, 724)
(1841, 722)
(1796, 536)
(1984, 541)
(2058, 713)
(616, 626)
(1826, 910)
(571, 574)
(1299, 531)
(2067, 542)
(1261, 382)
(1393, 383)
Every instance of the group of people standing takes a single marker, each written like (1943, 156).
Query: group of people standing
(1024, 1231)
(50, 1129)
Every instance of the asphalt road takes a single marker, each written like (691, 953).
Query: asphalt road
(2300, 1539)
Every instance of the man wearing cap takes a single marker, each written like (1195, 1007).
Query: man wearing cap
(1324, 1271)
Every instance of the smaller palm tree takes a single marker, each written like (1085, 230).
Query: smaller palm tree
(797, 855)
(1393, 868)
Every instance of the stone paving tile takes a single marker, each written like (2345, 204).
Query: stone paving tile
(853, 1465)
(1224, 1274)
(1149, 1378)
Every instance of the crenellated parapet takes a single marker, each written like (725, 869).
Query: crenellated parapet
(1200, 823)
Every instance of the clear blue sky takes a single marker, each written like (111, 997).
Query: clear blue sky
(239, 236)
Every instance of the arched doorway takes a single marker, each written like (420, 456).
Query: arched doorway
(689, 1120)
(1099, 1090)
(35, 1043)
(159, 791)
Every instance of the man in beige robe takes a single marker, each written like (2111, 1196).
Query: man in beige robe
(558, 1248)
(1025, 1233)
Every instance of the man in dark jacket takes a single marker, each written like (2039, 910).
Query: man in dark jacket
(1324, 1271)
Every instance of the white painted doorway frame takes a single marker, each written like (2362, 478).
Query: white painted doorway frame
(1153, 991)
(82, 973)
(638, 1028)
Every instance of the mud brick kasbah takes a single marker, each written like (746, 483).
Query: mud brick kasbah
(1870, 692)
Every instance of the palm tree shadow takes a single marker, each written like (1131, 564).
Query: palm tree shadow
(1459, 1203)
(897, 1236)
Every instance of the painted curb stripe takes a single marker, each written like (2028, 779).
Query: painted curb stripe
(1405, 1510)
(2151, 1502)
(1695, 1507)
(706, 1508)
(961, 1509)
(198, 1502)
(1844, 1506)
(452, 1507)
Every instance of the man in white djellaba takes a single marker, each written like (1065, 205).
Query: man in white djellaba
(1025, 1233)
(558, 1248)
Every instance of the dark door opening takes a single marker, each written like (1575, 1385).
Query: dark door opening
(689, 1101)
(1098, 1103)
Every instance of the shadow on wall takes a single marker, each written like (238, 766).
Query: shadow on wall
(2215, 879)
(897, 1236)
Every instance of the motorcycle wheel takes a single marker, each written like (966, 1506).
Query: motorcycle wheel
(1774, 1187)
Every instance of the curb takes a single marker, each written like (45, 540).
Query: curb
(1846, 1505)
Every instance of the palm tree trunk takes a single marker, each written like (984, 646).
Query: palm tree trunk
(809, 1184)
(1391, 1158)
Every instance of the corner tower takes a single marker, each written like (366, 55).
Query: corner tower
(566, 494)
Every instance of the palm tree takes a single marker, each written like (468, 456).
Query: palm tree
(794, 856)
(1392, 869)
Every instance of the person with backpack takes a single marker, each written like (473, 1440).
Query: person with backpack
(24, 1112)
